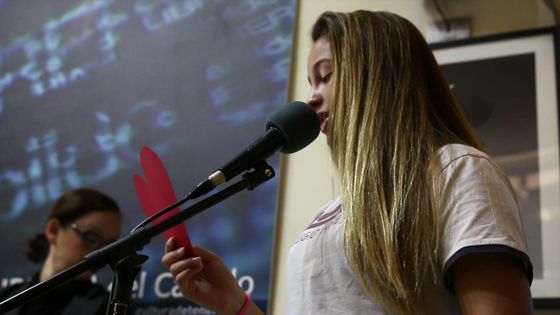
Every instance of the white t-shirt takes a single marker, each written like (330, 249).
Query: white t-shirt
(479, 213)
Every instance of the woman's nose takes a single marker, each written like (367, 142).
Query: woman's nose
(315, 100)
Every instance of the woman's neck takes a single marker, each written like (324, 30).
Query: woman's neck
(48, 269)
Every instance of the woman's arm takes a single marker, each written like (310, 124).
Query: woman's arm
(491, 284)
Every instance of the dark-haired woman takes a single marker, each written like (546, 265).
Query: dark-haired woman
(81, 221)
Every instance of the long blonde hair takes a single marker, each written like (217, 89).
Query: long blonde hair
(391, 112)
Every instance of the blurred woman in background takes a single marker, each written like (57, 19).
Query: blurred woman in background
(80, 222)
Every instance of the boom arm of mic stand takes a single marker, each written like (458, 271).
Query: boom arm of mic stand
(128, 245)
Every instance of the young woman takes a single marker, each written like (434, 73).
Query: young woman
(426, 222)
(81, 221)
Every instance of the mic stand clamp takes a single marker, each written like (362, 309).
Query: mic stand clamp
(124, 273)
(261, 174)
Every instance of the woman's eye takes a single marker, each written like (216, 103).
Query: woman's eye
(92, 237)
(326, 78)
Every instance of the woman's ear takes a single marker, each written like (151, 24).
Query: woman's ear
(52, 229)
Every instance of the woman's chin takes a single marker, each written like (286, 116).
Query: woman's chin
(324, 125)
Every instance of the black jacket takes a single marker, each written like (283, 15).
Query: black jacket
(74, 297)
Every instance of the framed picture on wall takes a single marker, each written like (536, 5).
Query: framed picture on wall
(508, 88)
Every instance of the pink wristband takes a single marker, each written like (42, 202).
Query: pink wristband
(246, 305)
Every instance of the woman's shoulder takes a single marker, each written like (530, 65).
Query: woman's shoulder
(87, 296)
(459, 157)
(97, 289)
(12, 290)
(329, 207)
(15, 288)
(88, 289)
(451, 152)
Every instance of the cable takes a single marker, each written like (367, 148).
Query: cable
(160, 213)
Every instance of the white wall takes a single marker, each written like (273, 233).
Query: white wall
(307, 181)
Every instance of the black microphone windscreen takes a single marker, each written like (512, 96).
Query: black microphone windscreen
(298, 124)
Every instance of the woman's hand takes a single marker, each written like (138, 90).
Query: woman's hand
(204, 279)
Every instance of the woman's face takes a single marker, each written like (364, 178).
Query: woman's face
(319, 74)
(92, 231)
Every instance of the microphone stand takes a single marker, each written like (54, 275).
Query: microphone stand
(122, 254)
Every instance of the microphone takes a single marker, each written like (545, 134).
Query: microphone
(289, 129)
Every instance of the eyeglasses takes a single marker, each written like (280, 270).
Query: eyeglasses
(90, 238)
